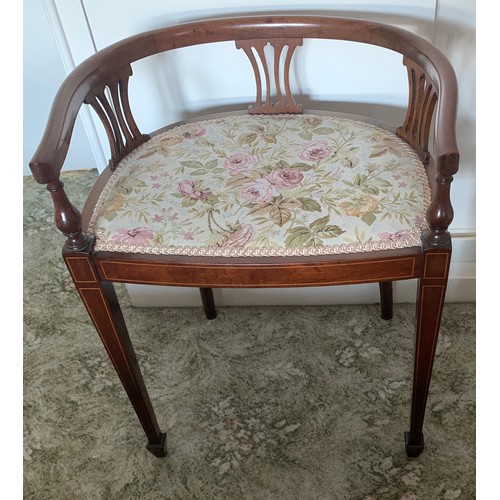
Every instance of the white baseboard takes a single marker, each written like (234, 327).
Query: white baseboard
(461, 288)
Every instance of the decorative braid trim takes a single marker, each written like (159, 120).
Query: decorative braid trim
(409, 240)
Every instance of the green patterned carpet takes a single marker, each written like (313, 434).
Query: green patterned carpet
(261, 403)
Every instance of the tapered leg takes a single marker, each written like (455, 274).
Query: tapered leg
(385, 299)
(207, 298)
(430, 300)
(102, 305)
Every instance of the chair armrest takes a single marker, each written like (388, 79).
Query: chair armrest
(49, 157)
(440, 212)
(447, 155)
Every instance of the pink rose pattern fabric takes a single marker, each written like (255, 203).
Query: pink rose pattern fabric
(285, 178)
(265, 185)
(241, 162)
(259, 191)
(315, 151)
(189, 189)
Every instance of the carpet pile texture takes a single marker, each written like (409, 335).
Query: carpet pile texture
(261, 403)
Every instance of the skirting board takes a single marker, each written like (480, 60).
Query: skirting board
(461, 288)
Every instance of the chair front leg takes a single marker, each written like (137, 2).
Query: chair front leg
(100, 300)
(430, 301)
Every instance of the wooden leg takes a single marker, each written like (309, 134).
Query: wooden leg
(102, 305)
(430, 301)
(385, 299)
(207, 298)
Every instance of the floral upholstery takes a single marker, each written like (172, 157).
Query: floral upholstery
(258, 185)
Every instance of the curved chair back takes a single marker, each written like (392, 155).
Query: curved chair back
(432, 81)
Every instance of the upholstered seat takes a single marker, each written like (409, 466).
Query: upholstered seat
(257, 185)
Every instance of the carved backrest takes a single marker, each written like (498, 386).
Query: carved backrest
(422, 99)
(284, 103)
(110, 101)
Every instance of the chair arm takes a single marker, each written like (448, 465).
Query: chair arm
(446, 148)
(433, 81)
(440, 212)
(49, 157)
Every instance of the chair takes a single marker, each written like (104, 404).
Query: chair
(272, 197)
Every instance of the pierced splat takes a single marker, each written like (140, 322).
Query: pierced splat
(116, 115)
(283, 103)
(422, 100)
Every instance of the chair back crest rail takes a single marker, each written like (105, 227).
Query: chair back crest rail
(102, 81)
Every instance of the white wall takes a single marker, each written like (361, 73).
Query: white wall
(455, 35)
(82, 27)
(43, 72)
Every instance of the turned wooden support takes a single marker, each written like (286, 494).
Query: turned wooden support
(439, 215)
(440, 212)
(67, 218)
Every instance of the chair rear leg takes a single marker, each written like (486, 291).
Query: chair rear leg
(430, 301)
(102, 305)
(207, 298)
(386, 302)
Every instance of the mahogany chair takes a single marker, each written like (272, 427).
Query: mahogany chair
(272, 197)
